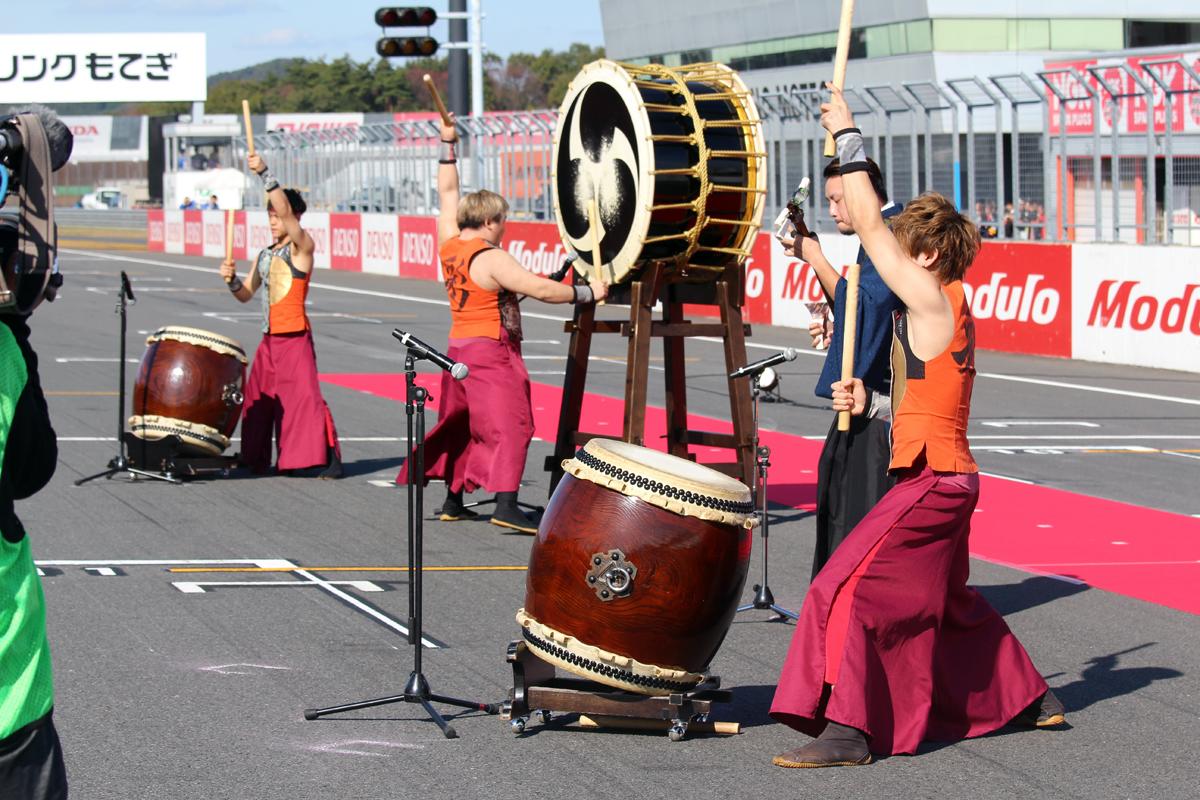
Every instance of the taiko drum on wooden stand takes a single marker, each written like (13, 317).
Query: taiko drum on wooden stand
(637, 568)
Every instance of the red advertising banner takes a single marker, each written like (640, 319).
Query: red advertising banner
(345, 242)
(193, 233)
(1131, 109)
(1020, 296)
(418, 248)
(156, 233)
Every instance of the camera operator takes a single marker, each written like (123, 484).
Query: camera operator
(32, 145)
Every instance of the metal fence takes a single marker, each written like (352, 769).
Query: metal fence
(1030, 156)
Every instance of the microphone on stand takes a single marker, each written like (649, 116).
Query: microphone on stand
(562, 271)
(127, 288)
(789, 354)
(457, 370)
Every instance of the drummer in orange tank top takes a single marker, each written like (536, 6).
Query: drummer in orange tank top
(892, 647)
(485, 421)
(283, 393)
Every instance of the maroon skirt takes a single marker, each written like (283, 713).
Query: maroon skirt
(485, 421)
(892, 641)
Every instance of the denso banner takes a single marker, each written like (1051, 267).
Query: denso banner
(1131, 307)
(193, 233)
(381, 244)
(156, 230)
(316, 223)
(258, 233)
(418, 249)
(345, 235)
(173, 232)
(1020, 296)
(214, 233)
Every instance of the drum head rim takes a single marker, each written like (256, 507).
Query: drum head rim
(200, 338)
(624, 262)
(581, 653)
(720, 499)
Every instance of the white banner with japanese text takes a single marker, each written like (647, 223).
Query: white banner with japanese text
(108, 68)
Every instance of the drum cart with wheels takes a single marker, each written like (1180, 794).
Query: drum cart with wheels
(540, 693)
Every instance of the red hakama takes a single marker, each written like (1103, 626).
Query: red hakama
(283, 395)
(892, 641)
(485, 421)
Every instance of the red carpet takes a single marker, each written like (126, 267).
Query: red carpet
(1138, 552)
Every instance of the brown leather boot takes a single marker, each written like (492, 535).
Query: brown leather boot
(837, 746)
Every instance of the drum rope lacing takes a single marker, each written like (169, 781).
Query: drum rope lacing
(604, 669)
(181, 432)
(716, 503)
(178, 334)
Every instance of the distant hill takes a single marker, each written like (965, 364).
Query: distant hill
(256, 72)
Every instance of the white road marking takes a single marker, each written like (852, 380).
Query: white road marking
(1117, 564)
(199, 587)
(106, 571)
(261, 563)
(1181, 455)
(81, 359)
(361, 606)
(1007, 478)
(756, 345)
(350, 747)
(383, 484)
(240, 669)
(1015, 423)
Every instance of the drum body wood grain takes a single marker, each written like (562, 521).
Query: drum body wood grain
(189, 384)
(612, 573)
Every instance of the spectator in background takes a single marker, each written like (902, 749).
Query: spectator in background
(211, 205)
(1008, 220)
(188, 204)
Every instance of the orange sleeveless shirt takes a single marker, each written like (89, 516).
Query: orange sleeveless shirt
(931, 400)
(475, 312)
(285, 289)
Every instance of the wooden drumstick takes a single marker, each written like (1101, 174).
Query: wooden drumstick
(594, 222)
(840, 57)
(249, 129)
(437, 99)
(229, 239)
(849, 329)
(642, 724)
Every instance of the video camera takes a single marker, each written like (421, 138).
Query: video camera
(31, 139)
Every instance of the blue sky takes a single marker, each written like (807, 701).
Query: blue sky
(245, 32)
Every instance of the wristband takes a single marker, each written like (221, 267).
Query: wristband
(448, 150)
(447, 160)
(449, 141)
(235, 285)
(847, 130)
(850, 147)
(269, 181)
(583, 294)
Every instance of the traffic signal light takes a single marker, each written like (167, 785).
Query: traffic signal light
(406, 17)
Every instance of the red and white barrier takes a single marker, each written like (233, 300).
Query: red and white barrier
(1125, 304)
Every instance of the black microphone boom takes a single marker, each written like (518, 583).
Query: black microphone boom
(457, 370)
(127, 287)
(789, 354)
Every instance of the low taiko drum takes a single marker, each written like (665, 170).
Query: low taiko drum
(190, 384)
(637, 568)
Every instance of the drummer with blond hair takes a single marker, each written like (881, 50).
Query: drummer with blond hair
(485, 422)
(283, 394)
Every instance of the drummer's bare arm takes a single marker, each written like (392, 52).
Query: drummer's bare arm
(495, 269)
(447, 181)
(242, 290)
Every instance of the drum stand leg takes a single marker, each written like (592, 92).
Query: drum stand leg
(763, 600)
(120, 463)
(416, 690)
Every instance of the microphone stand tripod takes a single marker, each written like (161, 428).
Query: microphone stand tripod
(120, 463)
(416, 690)
(763, 600)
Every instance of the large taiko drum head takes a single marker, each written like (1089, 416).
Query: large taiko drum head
(637, 568)
(190, 384)
(674, 158)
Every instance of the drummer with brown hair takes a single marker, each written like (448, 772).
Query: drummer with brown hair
(283, 394)
(485, 422)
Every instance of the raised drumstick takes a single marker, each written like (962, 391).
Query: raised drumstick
(249, 130)
(594, 223)
(437, 99)
(229, 239)
(840, 57)
(850, 328)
